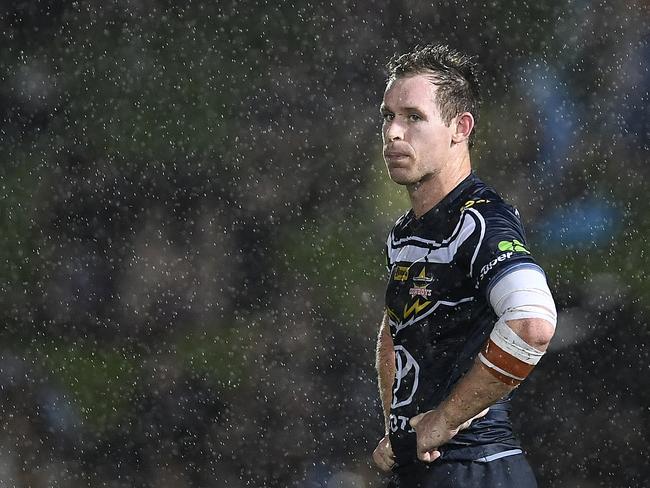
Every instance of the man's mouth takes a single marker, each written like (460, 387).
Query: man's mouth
(395, 155)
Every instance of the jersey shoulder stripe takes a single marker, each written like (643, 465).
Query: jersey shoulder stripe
(410, 250)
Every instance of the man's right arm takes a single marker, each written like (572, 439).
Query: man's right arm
(385, 364)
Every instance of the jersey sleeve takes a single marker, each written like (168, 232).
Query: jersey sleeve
(501, 245)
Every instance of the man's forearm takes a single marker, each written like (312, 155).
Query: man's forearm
(480, 388)
(385, 365)
(475, 391)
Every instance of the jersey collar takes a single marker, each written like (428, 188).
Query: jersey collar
(444, 206)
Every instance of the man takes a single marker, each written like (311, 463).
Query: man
(468, 311)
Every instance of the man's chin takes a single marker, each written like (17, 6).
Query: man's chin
(401, 178)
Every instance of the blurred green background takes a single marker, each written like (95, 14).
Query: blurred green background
(194, 209)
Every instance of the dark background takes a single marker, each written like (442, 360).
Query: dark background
(194, 208)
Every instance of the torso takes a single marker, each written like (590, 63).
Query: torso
(438, 311)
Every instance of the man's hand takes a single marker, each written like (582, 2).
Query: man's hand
(432, 431)
(383, 455)
(466, 424)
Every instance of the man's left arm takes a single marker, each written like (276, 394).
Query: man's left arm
(520, 337)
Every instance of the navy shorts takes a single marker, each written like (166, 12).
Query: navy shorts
(507, 472)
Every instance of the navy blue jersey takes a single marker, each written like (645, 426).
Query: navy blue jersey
(442, 266)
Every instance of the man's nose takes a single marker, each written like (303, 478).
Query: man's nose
(394, 131)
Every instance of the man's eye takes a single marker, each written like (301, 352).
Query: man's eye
(414, 117)
(388, 117)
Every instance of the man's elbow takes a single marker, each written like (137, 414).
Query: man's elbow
(536, 332)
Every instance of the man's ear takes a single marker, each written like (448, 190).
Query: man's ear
(464, 127)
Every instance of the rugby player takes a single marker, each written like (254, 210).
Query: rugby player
(468, 310)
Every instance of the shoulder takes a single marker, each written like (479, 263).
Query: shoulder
(500, 237)
(491, 212)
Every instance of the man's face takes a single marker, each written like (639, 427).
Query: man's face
(416, 140)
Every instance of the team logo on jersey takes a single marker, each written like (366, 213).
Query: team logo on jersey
(513, 245)
(401, 273)
(421, 283)
(407, 376)
(415, 308)
(422, 292)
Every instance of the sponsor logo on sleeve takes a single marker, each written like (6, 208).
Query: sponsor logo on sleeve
(513, 245)
(509, 248)
(500, 258)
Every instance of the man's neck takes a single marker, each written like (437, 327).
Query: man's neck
(427, 193)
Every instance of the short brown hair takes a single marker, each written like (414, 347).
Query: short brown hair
(454, 74)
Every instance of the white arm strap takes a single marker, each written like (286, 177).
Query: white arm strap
(521, 294)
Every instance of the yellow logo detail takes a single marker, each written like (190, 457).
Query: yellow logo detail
(471, 203)
(401, 273)
(422, 280)
(416, 307)
(392, 314)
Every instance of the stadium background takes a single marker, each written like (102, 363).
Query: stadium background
(194, 207)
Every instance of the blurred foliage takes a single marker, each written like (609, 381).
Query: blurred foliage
(193, 201)
(101, 382)
(220, 353)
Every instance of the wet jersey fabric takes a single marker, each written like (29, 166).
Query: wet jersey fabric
(506, 472)
(441, 269)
